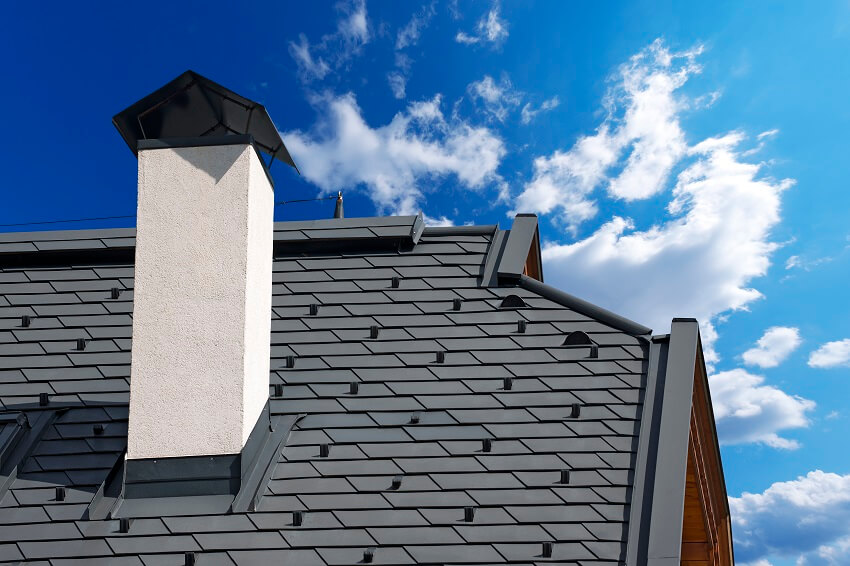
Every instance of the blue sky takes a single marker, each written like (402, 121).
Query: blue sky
(686, 159)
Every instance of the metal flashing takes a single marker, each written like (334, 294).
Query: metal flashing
(580, 305)
(191, 106)
(521, 236)
(655, 536)
(196, 475)
(489, 276)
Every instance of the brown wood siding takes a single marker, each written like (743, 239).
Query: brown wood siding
(706, 527)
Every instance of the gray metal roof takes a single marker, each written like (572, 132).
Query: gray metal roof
(411, 416)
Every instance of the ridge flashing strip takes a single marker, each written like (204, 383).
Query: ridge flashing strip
(584, 307)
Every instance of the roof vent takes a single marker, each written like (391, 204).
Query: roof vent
(115, 293)
(43, 399)
(278, 390)
(415, 417)
(441, 357)
(60, 493)
(575, 411)
(324, 450)
(547, 550)
(521, 326)
(124, 525)
(512, 302)
(189, 559)
(507, 383)
(314, 309)
(289, 362)
(26, 321)
(369, 555)
(565, 477)
(468, 514)
(396, 483)
(353, 388)
(81, 344)
(456, 304)
(487, 445)
(579, 339)
(395, 282)
(374, 331)
(97, 429)
(297, 518)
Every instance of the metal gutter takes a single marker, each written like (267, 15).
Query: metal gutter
(584, 307)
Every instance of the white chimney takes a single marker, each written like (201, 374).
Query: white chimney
(202, 302)
(199, 377)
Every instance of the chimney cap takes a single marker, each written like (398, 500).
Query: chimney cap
(194, 106)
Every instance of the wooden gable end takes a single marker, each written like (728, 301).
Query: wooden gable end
(706, 526)
(533, 265)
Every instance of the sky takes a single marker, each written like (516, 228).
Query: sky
(685, 159)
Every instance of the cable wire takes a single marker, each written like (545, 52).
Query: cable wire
(133, 215)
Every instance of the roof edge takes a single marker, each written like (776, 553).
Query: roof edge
(584, 307)
(658, 536)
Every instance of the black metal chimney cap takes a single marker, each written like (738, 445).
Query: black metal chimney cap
(194, 106)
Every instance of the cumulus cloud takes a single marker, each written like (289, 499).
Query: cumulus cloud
(353, 28)
(697, 263)
(392, 161)
(410, 33)
(491, 28)
(398, 84)
(407, 36)
(529, 112)
(831, 354)
(315, 61)
(310, 68)
(642, 121)
(773, 347)
(497, 98)
(807, 518)
(747, 411)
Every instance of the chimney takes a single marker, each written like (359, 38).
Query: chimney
(199, 378)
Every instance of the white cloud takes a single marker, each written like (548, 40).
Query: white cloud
(316, 61)
(410, 33)
(807, 518)
(491, 28)
(747, 411)
(393, 161)
(697, 263)
(529, 112)
(643, 118)
(831, 354)
(354, 26)
(309, 68)
(498, 99)
(773, 347)
(398, 82)
(700, 258)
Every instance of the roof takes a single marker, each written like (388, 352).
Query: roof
(450, 399)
